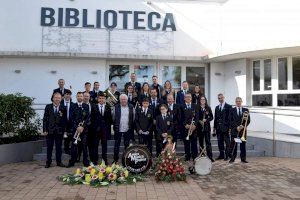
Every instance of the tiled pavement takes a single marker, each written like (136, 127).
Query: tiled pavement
(262, 178)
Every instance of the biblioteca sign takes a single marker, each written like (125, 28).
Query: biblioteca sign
(110, 19)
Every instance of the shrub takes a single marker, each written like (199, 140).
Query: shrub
(18, 120)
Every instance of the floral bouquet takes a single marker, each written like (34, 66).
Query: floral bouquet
(100, 175)
(168, 167)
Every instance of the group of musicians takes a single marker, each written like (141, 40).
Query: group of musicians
(148, 110)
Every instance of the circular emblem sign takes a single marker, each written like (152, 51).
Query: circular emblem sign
(137, 159)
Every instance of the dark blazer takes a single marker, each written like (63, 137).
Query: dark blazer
(133, 100)
(142, 96)
(221, 121)
(188, 114)
(69, 121)
(165, 94)
(155, 108)
(176, 115)
(98, 121)
(94, 95)
(196, 99)
(118, 117)
(144, 121)
(205, 114)
(236, 120)
(59, 91)
(164, 125)
(54, 123)
(137, 86)
(160, 89)
(180, 97)
(80, 115)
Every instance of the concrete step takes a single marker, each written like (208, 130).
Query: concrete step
(43, 156)
(180, 147)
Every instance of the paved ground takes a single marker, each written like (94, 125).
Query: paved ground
(262, 178)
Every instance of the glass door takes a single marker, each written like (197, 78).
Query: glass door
(196, 76)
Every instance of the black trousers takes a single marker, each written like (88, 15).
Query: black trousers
(74, 149)
(50, 140)
(158, 143)
(118, 138)
(205, 136)
(233, 148)
(146, 140)
(96, 138)
(67, 144)
(190, 146)
(223, 137)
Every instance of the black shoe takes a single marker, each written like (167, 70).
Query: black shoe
(220, 158)
(47, 165)
(231, 161)
(60, 165)
(244, 161)
(70, 165)
(225, 159)
(212, 160)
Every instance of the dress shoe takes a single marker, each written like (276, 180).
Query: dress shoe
(212, 160)
(220, 158)
(60, 165)
(70, 165)
(225, 159)
(47, 165)
(231, 161)
(244, 161)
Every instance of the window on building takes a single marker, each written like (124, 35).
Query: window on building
(256, 75)
(267, 74)
(196, 76)
(282, 73)
(173, 74)
(288, 99)
(296, 73)
(144, 73)
(119, 74)
(262, 100)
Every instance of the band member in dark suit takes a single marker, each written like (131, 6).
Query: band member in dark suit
(88, 101)
(154, 106)
(164, 126)
(221, 127)
(204, 129)
(174, 110)
(87, 87)
(80, 122)
(132, 96)
(101, 120)
(61, 88)
(145, 92)
(167, 90)
(123, 124)
(136, 86)
(54, 127)
(69, 106)
(94, 92)
(156, 86)
(189, 112)
(114, 91)
(144, 124)
(196, 95)
(181, 94)
(236, 129)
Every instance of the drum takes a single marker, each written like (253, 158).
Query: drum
(137, 159)
(203, 165)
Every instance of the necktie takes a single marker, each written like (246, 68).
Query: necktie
(101, 112)
(145, 112)
(67, 105)
(240, 111)
(220, 107)
(56, 110)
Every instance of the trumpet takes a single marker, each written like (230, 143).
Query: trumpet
(77, 133)
(245, 119)
(191, 129)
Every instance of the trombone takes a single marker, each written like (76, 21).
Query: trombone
(77, 133)
(245, 119)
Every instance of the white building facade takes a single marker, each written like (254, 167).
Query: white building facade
(240, 48)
